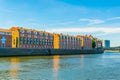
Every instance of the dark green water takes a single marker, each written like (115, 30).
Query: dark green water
(70, 67)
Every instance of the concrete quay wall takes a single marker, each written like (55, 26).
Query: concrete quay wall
(35, 52)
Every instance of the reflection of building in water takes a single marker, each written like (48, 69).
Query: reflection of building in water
(14, 68)
(56, 66)
(82, 61)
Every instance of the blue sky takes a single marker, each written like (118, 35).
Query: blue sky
(101, 18)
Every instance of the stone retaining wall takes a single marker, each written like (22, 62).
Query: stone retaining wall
(32, 51)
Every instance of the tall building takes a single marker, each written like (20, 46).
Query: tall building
(106, 43)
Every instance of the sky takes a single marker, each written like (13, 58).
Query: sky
(100, 18)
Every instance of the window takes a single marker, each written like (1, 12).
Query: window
(21, 40)
(14, 41)
(9, 33)
(46, 36)
(29, 33)
(37, 42)
(64, 37)
(3, 40)
(52, 43)
(25, 40)
(40, 42)
(22, 31)
(41, 34)
(43, 42)
(51, 36)
(30, 40)
(35, 33)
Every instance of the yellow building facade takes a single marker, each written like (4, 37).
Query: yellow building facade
(15, 37)
(56, 41)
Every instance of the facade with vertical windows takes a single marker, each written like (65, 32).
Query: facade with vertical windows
(107, 43)
(5, 38)
(62, 41)
(99, 44)
(69, 42)
(28, 38)
(86, 42)
(18, 37)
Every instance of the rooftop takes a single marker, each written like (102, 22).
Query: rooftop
(4, 30)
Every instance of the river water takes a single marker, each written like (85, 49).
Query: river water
(104, 66)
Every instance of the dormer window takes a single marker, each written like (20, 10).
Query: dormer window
(22, 31)
(35, 33)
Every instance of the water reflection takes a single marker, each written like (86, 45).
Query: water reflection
(69, 67)
(56, 66)
(82, 60)
(14, 68)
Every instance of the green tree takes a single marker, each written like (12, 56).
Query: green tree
(93, 44)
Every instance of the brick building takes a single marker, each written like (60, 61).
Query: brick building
(5, 38)
(28, 38)
(86, 42)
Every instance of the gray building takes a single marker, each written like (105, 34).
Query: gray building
(107, 43)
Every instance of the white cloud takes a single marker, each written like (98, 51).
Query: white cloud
(92, 21)
(98, 21)
(62, 23)
(89, 30)
(113, 18)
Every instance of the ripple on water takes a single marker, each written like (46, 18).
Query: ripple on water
(71, 67)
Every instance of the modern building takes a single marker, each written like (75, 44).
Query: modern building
(107, 43)
(5, 38)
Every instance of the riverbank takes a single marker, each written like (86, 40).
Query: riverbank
(112, 50)
(35, 52)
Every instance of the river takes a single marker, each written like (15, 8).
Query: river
(104, 66)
